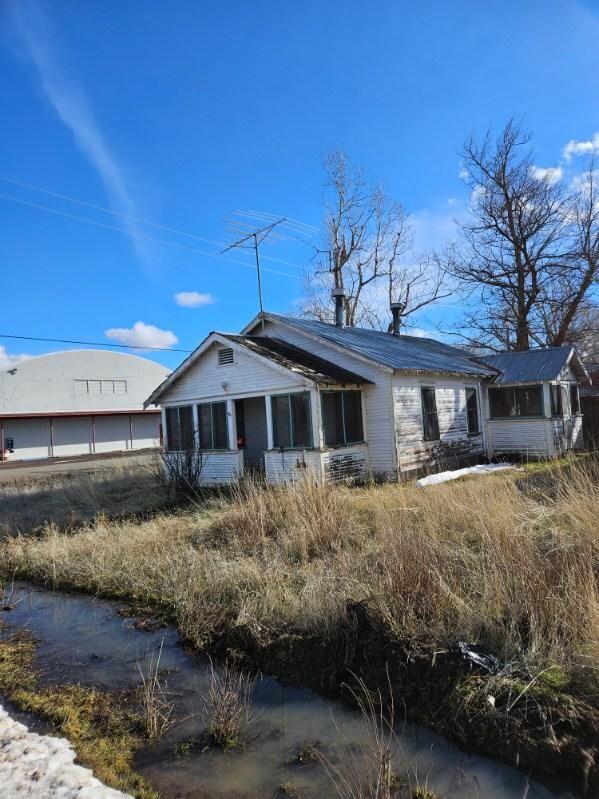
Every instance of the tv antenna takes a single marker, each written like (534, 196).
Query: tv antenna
(252, 237)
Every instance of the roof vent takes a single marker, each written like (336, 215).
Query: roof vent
(225, 356)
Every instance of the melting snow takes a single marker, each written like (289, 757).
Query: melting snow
(455, 474)
(36, 766)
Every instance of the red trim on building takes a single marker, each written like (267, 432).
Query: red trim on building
(73, 413)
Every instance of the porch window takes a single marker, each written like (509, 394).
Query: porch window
(472, 411)
(292, 427)
(213, 425)
(574, 399)
(556, 400)
(516, 401)
(430, 418)
(179, 428)
(342, 417)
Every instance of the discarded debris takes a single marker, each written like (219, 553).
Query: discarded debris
(455, 474)
(473, 655)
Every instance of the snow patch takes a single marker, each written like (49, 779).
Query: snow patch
(455, 474)
(36, 766)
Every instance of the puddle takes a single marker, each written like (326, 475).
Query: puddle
(83, 639)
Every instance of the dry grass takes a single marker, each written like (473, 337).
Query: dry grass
(227, 707)
(157, 707)
(67, 501)
(509, 561)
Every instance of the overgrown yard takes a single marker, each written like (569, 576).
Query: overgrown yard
(313, 580)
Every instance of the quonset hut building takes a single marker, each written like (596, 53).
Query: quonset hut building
(78, 402)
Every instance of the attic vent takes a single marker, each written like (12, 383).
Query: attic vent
(225, 356)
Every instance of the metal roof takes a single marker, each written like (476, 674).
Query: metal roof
(532, 365)
(298, 360)
(407, 353)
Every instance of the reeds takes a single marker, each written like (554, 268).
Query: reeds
(227, 706)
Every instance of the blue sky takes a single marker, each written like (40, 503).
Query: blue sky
(179, 113)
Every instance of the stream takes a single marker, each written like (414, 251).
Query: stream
(82, 639)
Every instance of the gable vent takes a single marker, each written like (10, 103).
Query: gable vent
(225, 356)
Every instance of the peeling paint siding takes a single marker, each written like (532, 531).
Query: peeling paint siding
(248, 375)
(379, 422)
(578, 432)
(455, 441)
(291, 465)
(345, 463)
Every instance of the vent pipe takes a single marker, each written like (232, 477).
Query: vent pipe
(395, 324)
(338, 296)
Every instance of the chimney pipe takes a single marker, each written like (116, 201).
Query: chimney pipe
(395, 309)
(338, 295)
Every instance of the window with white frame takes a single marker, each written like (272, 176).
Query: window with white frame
(430, 418)
(472, 411)
(179, 428)
(212, 417)
(292, 425)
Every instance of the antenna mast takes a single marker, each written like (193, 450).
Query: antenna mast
(255, 237)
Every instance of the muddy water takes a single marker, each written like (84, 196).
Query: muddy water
(84, 640)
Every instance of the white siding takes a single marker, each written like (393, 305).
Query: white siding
(219, 468)
(528, 437)
(378, 404)
(290, 465)
(247, 375)
(345, 463)
(455, 442)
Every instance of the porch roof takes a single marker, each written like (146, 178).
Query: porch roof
(298, 360)
(537, 365)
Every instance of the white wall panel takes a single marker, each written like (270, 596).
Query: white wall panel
(31, 438)
(72, 436)
(112, 433)
(146, 430)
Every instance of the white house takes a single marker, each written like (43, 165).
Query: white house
(78, 402)
(287, 395)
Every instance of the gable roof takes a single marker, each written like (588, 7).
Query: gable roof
(405, 353)
(535, 365)
(281, 354)
(298, 360)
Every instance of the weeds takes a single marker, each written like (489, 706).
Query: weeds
(157, 708)
(227, 707)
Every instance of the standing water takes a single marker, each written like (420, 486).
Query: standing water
(84, 640)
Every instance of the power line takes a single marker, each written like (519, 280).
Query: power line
(93, 343)
(41, 207)
(131, 217)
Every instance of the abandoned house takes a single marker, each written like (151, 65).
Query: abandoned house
(288, 395)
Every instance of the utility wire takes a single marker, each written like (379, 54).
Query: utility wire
(93, 343)
(143, 236)
(130, 217)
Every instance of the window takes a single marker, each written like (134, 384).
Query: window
(342, 417)
(179, 428)
(430, 420)
(472, 411)
(574, 399)
(556, 400)
(225, 356)
(100, 386)
(517, 401)
(213, 425)
(291, 420)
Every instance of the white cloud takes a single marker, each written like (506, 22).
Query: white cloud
(193, 299)
(6, 360)
(575, 147)
(143, 335)
(420, 332)
(552, 174)
(72, 106)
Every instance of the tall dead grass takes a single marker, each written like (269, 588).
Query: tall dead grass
(501, 560)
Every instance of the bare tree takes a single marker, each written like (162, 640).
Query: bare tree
(510, 242)
(528, 255)
(570, 297)
(367, 239)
